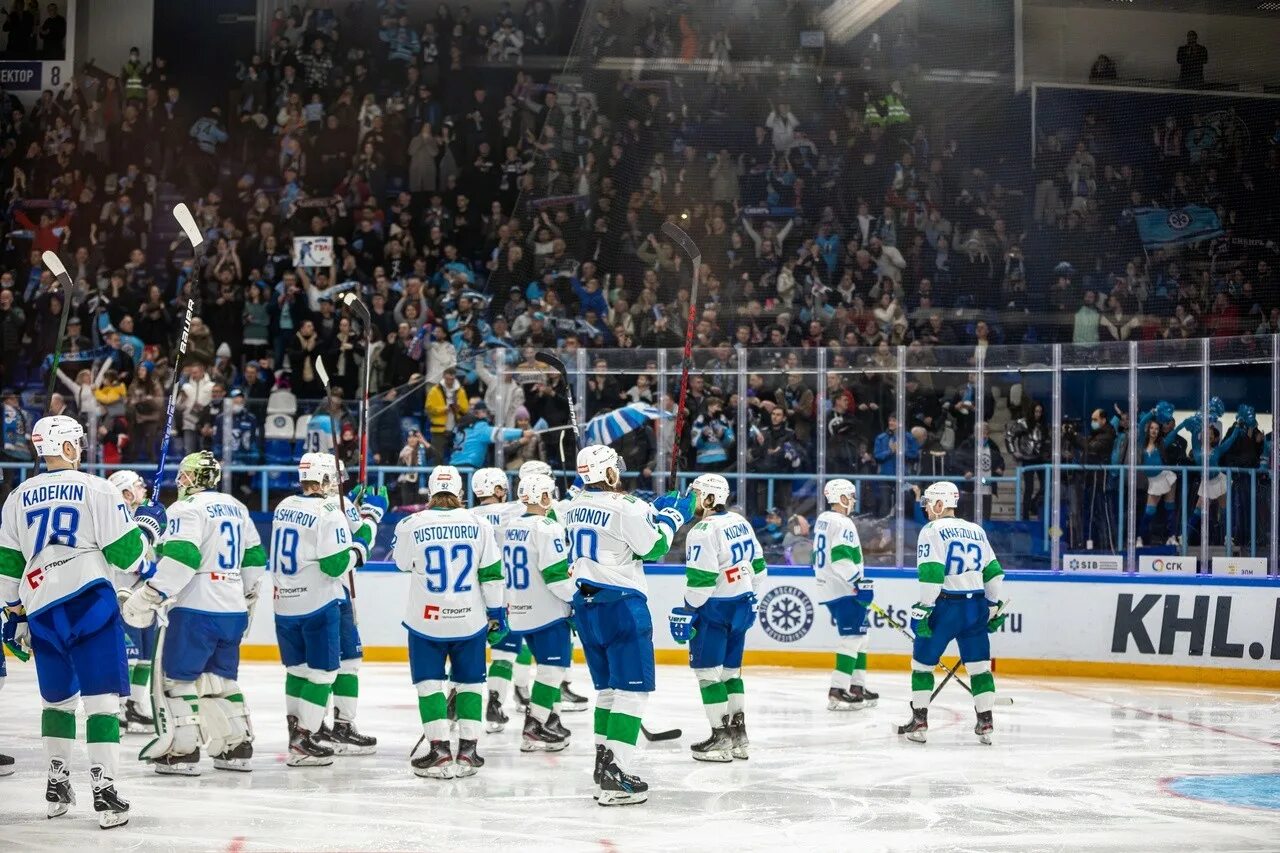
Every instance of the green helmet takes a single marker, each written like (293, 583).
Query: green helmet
(202, 470)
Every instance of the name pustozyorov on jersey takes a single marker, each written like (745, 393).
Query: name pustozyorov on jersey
(458, 572)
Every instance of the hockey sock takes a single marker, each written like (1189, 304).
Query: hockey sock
(604, 705)
(58, 728)
(522, 674)
(624, 727)
(314, 699)
(294, 680)
(715, 696)
(139, 679)
(470, 704)
(546, 692)
(433, 709)
(983, 684)
(843, 672)
(732, 680)
(346, 689)
(500, 673)
(102, 731)
(921, 684)
(859, 676)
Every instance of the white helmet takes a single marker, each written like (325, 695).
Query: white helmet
(712, 485)
(445, 478)
(943, 491)
(486, 481)
(132, 487)
(834, 490)
(533, 487)
(318, 468)
(51, 434)
(535, 466)
(595, 462)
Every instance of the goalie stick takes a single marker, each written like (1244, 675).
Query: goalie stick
(676, 233)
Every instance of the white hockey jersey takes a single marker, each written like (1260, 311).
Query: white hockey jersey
(311, 549)
(837, 556)
(61, 531)
(611, 536)
(458, 569)
(722, 556)
(954, 555)
(210, 534)
(499, 515)
(535, 555)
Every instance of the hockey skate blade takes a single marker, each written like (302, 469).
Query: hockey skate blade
(713, 757)
(461, 770)
(494, 728)
(621, 798)
(7, 770)
(539, 746)
(309, 761)
(177, 769)
(110, 820)
(58, 809)
(236, 765)
(842, 707)
(348, 750)
(444, 772)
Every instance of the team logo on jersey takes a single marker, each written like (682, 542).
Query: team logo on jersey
(786, 613)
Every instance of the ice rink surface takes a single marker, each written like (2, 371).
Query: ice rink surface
(1077, 765)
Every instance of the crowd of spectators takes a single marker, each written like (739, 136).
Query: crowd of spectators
(485, 208)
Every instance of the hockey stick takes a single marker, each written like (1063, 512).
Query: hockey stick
(188, 223)
(675, 232)
(658, 737)
(557, 365)
(353, 302)
(54, 263)
(337, 460)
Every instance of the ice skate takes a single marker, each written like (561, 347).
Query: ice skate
(436, 764)
(467, 761)
(867, 698)
(235, 759)
(178, 765)
(738, 732)
(451, 710)
(570, 701)
(984, 727)
(136, 722)
(718, 747)
(495, 719)
(346, 740)
(522, 696)
(57, 792)
(112, 809)
(537, 737)
(6, 765)
(598, 772)
(843, 700)
(917, 729)
(304, 749)
(618, 788)
(556, 726)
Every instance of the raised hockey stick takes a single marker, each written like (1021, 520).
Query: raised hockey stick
(54, 263)
(675, 232)
(337, 460)
(188, 223)
(353, 302)
(557, 365)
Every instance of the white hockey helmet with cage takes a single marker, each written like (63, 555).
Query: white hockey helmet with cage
(51, 434)
(131, 486)
(533, 487)
(535, 466)
(317, 468)
(942, 491)
(595, 462)
(445, 478)
(486, 481)
(839, 488)
(713, 485)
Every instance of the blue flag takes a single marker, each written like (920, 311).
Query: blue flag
(1158, 227)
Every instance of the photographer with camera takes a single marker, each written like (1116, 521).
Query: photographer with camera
(1090, 510)
(1027, 440)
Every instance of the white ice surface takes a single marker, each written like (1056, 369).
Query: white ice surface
(1077, 766)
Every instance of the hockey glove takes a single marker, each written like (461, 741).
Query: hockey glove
(374, 505)
(497, 624)
(920, 615)
(143, 607)
(151, 520)
(995, 616)
(17, 632)
(682, 621)
(674, 511)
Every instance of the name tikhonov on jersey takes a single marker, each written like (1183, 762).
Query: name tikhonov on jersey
(310, 552)
(611, 535)
(61, 531)
(957, 554)
(535, 557)
(457, 569)
(211, 533)
(837, 556)
(722, 556)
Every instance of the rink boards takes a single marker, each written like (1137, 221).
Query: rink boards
(1222, 630)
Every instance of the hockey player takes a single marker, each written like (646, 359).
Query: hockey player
(455, 605)
(141, 641)
(365, 510)
(312, 548)
(611, 535)
(960, 587)
(539, 589)
(837, 567)
(63, 534)
(210, 563)
(722, 558)
(489, 485)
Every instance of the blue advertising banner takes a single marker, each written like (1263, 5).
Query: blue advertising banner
(21, 76)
